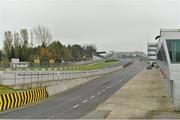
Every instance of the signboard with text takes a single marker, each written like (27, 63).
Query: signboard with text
(15, 60)
(51, 61)
(37, 61)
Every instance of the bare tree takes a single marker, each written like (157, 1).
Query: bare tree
(32, 37)
(8, 39)
(42, 35)
(16, 44)
(24, 37)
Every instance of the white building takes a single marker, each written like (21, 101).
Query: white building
(168, 55)
(152, 52)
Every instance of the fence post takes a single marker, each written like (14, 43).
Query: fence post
(53, 75)
(24, 79)
(66, 75)
(31, 80)
(41, 80)
(38, 79)
(15, 79)
(48, 76)
(62, 75)
(2, 78)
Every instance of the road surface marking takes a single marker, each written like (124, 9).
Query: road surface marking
(108, 87)
(51, 117)
(84, 101)
(92, 97)
(99, 93)
(76, 106)
(104, 90)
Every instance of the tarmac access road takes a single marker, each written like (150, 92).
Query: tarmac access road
(79, 101)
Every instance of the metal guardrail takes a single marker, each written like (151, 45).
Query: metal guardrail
(42, 78)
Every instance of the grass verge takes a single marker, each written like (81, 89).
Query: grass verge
(95, 66)
(5, 89)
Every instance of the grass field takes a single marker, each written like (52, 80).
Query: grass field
(99, 65)
(4, 89)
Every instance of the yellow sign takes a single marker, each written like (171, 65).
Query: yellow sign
(37, 61)
(51, 61)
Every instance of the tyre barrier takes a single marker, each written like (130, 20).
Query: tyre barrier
(17, 99)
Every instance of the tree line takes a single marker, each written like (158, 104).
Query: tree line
(37, 43)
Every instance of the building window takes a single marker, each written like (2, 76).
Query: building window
(174, 50)
(151, 54)
(151, 59)
(149, 50)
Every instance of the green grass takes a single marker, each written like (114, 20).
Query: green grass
(95, 66)
(4, 89)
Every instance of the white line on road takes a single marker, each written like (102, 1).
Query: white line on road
(51, 117)
(108, 87)
(92, 97)
(76, 106)
(99, 93)
(104, 90)
(84, 101)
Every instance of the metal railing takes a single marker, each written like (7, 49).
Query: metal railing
(30, 79)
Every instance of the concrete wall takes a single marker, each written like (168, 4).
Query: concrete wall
(67, 84)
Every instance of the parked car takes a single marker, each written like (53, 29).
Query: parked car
(149, 66)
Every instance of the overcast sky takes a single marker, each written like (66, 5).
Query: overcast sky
(118, 25)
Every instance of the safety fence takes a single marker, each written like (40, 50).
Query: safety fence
(36, 79)
(17, 99)
(33, 79)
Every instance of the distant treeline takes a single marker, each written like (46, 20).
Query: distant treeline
(38, 43)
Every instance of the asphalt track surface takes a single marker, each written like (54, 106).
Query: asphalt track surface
(79, 101)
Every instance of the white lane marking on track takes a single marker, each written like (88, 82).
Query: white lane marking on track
(92, 97)
(75, 106)
(51, 117)
(99, 93)
(104, 90)
(84, 101)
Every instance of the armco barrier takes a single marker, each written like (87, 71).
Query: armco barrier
(17, 99)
